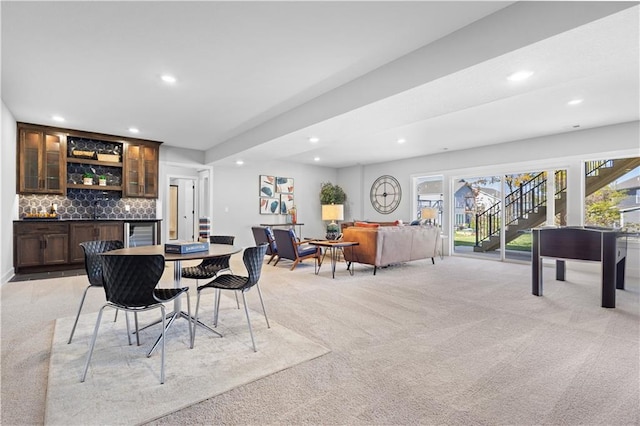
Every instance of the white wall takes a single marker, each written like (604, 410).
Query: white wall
(236, 198)
(9, 204)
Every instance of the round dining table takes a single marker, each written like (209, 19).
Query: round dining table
(215, 250)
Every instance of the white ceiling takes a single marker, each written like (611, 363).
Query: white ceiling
(257, 79)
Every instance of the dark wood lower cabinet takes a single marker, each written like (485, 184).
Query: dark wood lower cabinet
(45, 246)
(40, 244)
(80, 232)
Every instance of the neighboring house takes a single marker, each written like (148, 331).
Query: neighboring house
(630, 206)
(464, 209)
(469, 201)
(486, 197)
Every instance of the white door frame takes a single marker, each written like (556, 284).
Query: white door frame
(203, 202)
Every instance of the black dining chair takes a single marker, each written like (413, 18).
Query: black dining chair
(211, 267)
(130, 285)
(253, 258)
(93, 266)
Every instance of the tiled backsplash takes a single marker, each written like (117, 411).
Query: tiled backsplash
(83, 204)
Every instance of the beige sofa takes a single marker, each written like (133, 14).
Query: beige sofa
(387, 245)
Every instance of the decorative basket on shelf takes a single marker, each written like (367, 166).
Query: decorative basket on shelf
(78, 153)
(109, 158)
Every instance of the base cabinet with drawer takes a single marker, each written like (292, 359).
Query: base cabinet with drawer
(80, 232)
(40, 244)
(44, 246)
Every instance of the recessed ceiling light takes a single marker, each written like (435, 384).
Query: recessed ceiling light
(401, 141)
(316, 158)
(520, 75)
(314, 139)
(57, 118)
(134, 130)
(168, 78)
(239, 162)
(574, 102)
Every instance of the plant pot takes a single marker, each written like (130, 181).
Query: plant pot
(87, 181)
(332, 235)
(102, 182)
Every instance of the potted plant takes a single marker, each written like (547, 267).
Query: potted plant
(332, 194)
(102, 180)
(87, 178)
(332, 198)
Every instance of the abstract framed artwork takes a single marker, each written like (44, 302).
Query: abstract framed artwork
(269, 205)
(276, 194)
(286, 203)
(267, 186)
(284, 185)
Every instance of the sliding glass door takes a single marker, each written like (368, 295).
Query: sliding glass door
(477, 216)
(494, 215)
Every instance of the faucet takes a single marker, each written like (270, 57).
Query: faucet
(95, 209)
(96, 203)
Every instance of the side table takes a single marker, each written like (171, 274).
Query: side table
(332, 247)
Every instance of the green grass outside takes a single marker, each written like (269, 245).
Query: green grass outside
(522, 243)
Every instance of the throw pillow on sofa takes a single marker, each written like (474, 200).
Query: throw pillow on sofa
(366, 225)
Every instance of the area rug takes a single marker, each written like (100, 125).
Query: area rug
(123, 385)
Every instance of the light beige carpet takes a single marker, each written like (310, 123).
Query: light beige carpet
(123, 385)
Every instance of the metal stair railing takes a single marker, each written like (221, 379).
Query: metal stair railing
(593, 168)
(519, 204)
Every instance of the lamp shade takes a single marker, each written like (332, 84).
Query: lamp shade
(428, 213)
(332, 212)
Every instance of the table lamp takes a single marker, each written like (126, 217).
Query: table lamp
(332, 212)
(428, 213)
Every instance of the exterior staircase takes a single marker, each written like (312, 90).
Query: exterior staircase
(526, 205)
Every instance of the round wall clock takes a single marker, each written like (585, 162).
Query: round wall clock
(385, 194)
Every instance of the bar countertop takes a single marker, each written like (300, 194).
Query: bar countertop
(44, 219)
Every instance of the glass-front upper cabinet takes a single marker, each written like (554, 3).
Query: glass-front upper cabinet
(41, 161)
(141, 170)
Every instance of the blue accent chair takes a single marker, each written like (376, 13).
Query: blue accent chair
(290, 248)
(265, 236)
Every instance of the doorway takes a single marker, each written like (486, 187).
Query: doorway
(173, 212)
(182, 209)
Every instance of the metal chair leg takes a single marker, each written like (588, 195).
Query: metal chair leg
(75, 323)
(93, 344)
(135, 317)
(246, 311)
(217, 308)
(191, 326)
(126, 320)
(262, 303)
(163, 345)
(195, 320)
